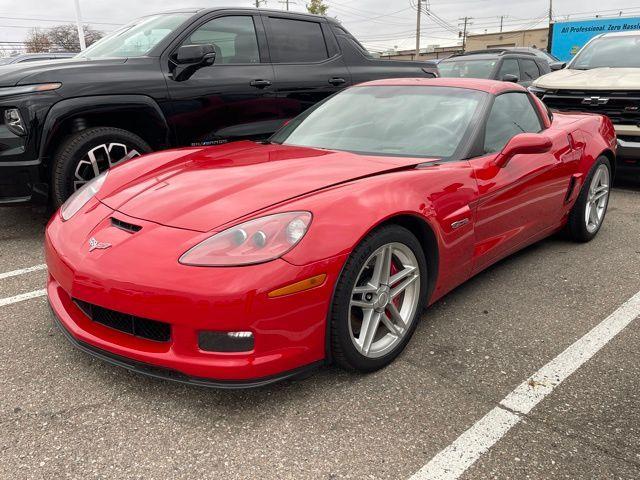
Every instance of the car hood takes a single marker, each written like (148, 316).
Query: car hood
(48, 70)
(203, 188)
(594, 79)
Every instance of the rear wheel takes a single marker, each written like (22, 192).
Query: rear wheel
(587, 215)
(86, 154)
(378, 299)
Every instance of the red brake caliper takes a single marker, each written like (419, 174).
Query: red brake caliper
(394, 270)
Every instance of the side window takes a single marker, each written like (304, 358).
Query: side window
(296, 41)
(511, 114)
(234, 39)
(509, 67)
(529, 69)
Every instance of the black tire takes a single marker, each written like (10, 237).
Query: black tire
(77, 145)
(344, 352)
(577, 226)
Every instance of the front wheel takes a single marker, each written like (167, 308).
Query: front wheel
(378, 299)
(86, 154)
(587, 215)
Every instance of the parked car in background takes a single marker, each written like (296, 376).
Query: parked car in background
(36, 57)
(251, 262)
(552, 60)
(603, 77)
(184, 78)
(495, 64)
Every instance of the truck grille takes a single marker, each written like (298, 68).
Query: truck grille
(137, 326)
(623, 108)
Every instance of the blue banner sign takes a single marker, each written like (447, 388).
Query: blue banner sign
(569, 37)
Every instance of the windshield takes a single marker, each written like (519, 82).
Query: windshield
(411, 121)
(614, 52)
(137, 38)
(467, 68)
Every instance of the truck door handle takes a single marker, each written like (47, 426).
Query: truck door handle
(260, 83)
(335, 81)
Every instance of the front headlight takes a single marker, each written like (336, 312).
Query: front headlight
(537, 91)
(256, 241)
(40, 87)
(81, 196)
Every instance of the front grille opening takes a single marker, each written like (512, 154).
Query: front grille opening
(137, 326)
(127, 227)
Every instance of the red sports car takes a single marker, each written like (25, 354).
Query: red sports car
(246, 263)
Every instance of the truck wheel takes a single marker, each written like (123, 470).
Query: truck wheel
(86, 154)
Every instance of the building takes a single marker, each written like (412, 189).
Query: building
(538, 38)
(434, 52)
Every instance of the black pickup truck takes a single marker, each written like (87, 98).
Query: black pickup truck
(182, 78)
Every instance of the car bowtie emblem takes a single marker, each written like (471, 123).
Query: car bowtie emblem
(95, 244)
(595, 101)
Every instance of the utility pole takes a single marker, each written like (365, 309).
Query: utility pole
(418, 29)
(550, 12)
(83, 44)
(464, 32)
(501, 19)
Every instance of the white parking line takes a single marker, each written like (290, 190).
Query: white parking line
(452, 462)
(22, 297)
(22, 271)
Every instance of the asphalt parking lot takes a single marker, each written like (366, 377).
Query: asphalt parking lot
(65, 415)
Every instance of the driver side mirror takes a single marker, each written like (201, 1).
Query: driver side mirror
(508, 77)
(189, 58)
(557, 66)
(523, 144)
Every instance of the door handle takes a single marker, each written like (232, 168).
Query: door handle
(335, 81)
(260, 83)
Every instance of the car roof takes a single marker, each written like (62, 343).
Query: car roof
(493, 87)
(492, 53)
(205, 10)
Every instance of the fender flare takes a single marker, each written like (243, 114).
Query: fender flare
(71, 107)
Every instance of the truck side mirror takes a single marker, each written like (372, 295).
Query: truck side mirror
(189, 58)
(557, 66)
(507, 77)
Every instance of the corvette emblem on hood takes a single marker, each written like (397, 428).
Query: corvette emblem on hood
(95, 244)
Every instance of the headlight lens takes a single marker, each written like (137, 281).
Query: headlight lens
(13, 121)
(80, 198)
(255, 241)
(537, 91)
(40, 87)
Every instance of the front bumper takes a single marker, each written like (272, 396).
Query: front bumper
(140, 276)
(19, 182)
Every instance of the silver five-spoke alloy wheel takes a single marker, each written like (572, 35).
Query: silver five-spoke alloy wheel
(597, 199)
(384, 300)
(99, 159)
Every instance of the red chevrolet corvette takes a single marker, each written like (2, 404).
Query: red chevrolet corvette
(246, 263)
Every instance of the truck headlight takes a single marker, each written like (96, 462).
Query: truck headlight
(537, 91)
(13, 121)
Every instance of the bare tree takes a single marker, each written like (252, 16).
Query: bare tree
(60, 37)
(66, 36)
(37, 41)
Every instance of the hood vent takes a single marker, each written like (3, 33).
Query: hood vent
(127, 227)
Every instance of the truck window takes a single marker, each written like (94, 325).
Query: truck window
(509, 67)
(233, 37)
(529, 69)
(296, 41)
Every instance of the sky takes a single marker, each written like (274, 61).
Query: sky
(379, 24)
